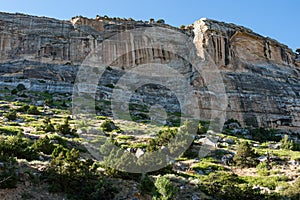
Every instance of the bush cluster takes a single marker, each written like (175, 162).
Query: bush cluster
(163, 137)
(76, 177)
(19, 147)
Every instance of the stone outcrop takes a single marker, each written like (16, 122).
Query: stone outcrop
(261, 76)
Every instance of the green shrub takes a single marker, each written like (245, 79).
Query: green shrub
(33, 110)
(160, 21)
(43, 145)
(162, 138)
(146, 185)
(101, 117)
(9, 130)
(139, 145)
(245, 156)
(270, 182)
(207, 165)
(165, 189)
(12, 115)
(264, 135)
(153, 145)
(8, 174)
(65, 128)
(203, 127)
(47, 126)
(14, 91)
(23, 108)
(125, 137)
(108, 125)
(165, 135)
(58, 150)
(293, 192)
(19, 147)
(20, 87)
(288, 144)
(263, 169)
(69, 174)
(58, 139)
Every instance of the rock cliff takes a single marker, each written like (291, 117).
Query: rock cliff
(261, 76)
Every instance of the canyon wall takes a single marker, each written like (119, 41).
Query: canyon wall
(261, 76)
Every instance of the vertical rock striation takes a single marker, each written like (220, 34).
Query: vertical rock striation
(261, 75)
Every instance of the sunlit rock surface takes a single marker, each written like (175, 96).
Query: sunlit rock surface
(260, 75)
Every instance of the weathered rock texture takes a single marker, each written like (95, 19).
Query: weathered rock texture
(261, 76)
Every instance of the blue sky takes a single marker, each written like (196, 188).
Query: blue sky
(278, 19)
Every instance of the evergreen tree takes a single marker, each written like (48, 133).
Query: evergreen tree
(245, 156)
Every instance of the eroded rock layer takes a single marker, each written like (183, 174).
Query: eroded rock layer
(260, 75)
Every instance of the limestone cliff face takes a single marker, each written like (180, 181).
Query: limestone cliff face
(261, 76)
(228, 45)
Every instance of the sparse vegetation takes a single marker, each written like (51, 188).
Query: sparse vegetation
(223, 185)
(31, 134)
